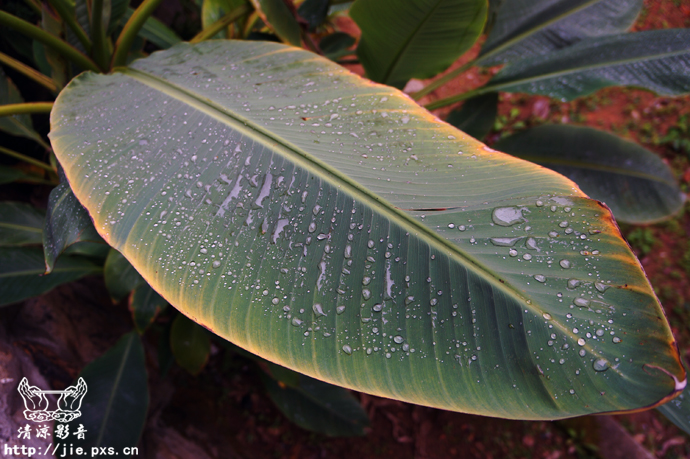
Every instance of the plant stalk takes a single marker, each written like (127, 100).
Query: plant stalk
(441, 81)
(71, 21)
(130, 31)
(26, 107)
(457, 98)
(100, 50)
(47, 39)
(26, 159)
(221, 23)
(27, 71)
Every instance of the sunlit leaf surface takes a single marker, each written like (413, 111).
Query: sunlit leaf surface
(332, 226)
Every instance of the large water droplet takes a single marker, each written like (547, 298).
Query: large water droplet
(573, 283)
(347, 349)
(600, 365)
(565, 264)
(318, 310)
(540, 278)
(508, 216)
(398, 339)
(581, 302)
(504, 241)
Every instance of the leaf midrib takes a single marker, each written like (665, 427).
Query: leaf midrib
(336, 179)
(575, 70)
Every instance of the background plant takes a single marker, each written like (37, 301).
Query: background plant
(655, 178)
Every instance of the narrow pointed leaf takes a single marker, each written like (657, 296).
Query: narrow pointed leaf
(118, 8)
(277, 16)
(657, 60)
(528, 28)
(117, 397)
(477, 115)
(318, 406)
(67, 222)
(20, 224)
(634, 182)
(678, 411)
(403, 39)
(303, 213)
(120, 276)
(22, 268)
(213, 10)
(336, 45)
(155, 31)
(190, 344)
(145, 304)
(19, 125)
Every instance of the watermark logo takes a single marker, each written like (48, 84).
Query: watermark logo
(38, 406)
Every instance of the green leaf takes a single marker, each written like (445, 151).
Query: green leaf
(278, 17)
(67, 223)
(213, 10)
(403, 39)
(678, 411)
(118, 9)
(476, 116)
(10, 174)
(304, 212)
(657, 60)
(155, 31)
(190, 344)
(318, 406)
(22, 268)
(634, 182)
(529, 28)
(120, 276)
(117, 397)
(314, 12)
(336, 45)
(20, 224)
(145, 304)
(19, 125)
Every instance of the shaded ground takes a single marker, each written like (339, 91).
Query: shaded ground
(225, 413)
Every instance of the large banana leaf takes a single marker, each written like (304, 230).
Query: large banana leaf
(528, 28)
(403, 39)
(658, 60)
(331, 225)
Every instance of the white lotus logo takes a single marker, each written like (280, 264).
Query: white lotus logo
(37, 404)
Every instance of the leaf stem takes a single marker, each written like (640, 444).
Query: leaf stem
(100, 51)
(457, 98)
(221, 23)
(25, 107)
(441, 81)
(71, 21)
(27, 71)
(130, 31)
(26, 159)
(47, 39)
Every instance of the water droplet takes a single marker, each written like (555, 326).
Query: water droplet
(318, 310)
(616, 339)
(409, 300)
(527, 256)
(340, 309)
(377, 307)
(599, 332)
(601, 287)
(553, 234)
(216, 264)
(461, 228)
(296, 322)
(581, 302)
(312, 227)
(565, 264)
(504, 241)
(563, 224)
(540, 203)
(531, 244)
(513, 252)
(546, 316)
(398, 339)
(366, 294)
(581, 342)
(508, 216)
(573, 283)
(366, 280)
(370, 244)
(347, 349)
(540, 278)
(600, 365)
